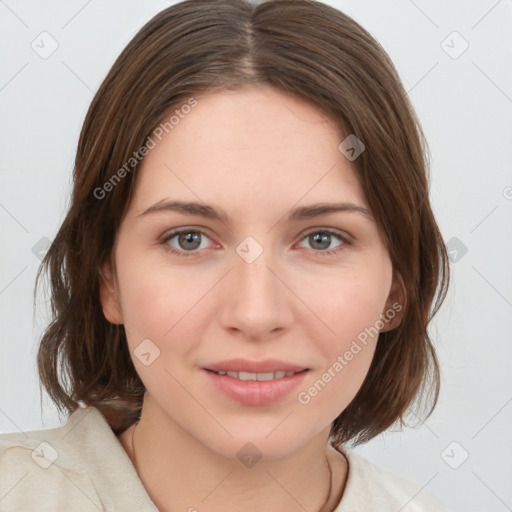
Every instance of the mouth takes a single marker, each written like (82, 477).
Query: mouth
(248, 368)
(264, 376)
(255, 383)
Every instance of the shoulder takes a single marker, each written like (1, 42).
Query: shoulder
(371, 487)
(78, 466)
(44, 468)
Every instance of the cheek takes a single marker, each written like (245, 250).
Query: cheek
(147, 301)
(154, 296)
(156, 302)
(351, 309)
(350, 304)
(163, 304)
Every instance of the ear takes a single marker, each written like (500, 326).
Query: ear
(108, 295)
(395, 304)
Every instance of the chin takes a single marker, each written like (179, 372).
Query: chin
(258, 444)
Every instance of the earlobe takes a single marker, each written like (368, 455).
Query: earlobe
(108, 295)
(395, 304)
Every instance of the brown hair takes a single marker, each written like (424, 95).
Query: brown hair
(302, 47)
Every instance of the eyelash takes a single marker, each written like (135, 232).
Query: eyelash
(187, 254)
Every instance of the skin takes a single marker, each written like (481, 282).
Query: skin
(256, 154)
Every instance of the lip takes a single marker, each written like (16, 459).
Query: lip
(252, 392)
(265, 366)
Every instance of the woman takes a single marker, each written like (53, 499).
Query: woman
(243, 282)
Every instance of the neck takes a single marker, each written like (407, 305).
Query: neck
(181, 474)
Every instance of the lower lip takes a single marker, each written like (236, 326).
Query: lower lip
(253, 392)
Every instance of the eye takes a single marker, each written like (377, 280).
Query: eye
(322, 239)
(189, 241)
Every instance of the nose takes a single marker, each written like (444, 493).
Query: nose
(256, 302)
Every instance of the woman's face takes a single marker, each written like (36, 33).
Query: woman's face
(263, 282)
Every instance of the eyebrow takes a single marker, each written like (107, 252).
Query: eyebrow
(211, 212)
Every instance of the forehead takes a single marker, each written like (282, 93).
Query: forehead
(253, 148)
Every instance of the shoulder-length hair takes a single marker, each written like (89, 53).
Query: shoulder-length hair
(302, 47)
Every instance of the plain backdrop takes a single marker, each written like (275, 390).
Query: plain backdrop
(455, 60)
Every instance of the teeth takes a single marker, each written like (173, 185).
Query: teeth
(256, 376)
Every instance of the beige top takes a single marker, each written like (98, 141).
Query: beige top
(83, 467)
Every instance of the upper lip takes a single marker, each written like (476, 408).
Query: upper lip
(265, 366)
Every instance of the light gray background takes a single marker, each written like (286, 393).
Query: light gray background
(465, 106)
